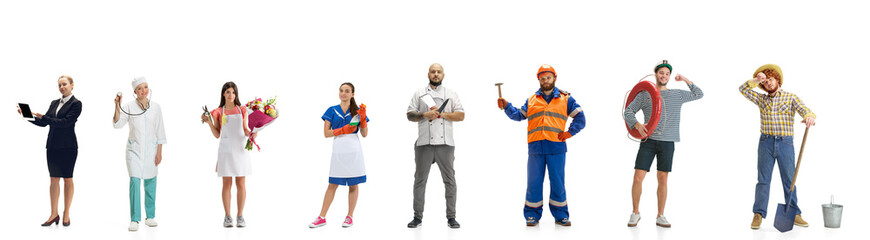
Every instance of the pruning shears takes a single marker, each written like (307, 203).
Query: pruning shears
(205, 112)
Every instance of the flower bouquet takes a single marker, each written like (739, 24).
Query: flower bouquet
(260, 115)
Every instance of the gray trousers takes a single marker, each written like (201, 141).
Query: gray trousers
(424, 157)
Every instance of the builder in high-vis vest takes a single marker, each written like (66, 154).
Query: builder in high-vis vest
(547, 111)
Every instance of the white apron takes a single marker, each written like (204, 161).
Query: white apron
(233, 159)
(347, 157)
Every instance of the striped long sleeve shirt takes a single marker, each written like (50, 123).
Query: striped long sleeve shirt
(777, 111)
(668, 128)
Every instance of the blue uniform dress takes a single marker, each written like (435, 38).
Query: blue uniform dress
(545, 155)
(339, 118)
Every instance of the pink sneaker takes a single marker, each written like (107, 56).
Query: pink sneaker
(348, 221)
(319, 222)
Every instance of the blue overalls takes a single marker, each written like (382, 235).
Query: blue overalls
(546, 155)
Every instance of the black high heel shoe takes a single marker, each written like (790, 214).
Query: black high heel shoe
(54, 220)
(66, 224)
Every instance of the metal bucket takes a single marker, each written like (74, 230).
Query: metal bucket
(832, 214)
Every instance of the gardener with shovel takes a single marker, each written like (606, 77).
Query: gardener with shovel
(547, 112)
(777, 108)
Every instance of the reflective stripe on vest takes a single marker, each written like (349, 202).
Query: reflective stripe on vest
(546, 120)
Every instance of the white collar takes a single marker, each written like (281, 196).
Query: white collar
(65, 99)
(439, 88)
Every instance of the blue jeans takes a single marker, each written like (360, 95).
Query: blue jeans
(779, 149)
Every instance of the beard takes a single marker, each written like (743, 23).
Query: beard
(769, 91)
(433, 83)
(549, 87)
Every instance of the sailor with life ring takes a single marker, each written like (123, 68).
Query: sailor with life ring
(659, 136)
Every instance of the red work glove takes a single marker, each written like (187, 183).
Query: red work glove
(362, 116)
(564, 136)
(347, 129)
(502, 103)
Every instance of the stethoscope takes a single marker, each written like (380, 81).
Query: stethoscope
(148, 106)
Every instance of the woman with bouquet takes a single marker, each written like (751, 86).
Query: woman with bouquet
(343, 122)
(229, 123)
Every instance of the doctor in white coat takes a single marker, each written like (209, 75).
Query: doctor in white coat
(144, 148)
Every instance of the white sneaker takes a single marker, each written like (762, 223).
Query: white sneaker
(240, 222)
(661, 221)
(150, 222)
(134, 226)
(228, 221)
(632, 221)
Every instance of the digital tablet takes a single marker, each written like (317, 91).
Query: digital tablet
(25, 111)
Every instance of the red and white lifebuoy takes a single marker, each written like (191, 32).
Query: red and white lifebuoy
(656, 98)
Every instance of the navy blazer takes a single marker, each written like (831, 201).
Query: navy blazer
(62, 132)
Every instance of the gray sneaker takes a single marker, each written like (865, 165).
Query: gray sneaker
(228, 221)
(633, 219)
(240, 222)
(661, 221)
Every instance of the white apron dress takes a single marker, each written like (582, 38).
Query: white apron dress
(233, 159)
(146, 132)
(347, 157)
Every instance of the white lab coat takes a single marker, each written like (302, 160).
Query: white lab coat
(146, 132)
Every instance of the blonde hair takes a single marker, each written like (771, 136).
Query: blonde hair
(68, 78)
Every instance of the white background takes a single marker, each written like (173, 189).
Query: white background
(302, 51)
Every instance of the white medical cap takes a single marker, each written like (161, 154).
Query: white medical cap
(137, 81)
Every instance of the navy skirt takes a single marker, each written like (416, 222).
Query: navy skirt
(61, 162)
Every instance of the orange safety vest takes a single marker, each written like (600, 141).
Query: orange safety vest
(546, 120)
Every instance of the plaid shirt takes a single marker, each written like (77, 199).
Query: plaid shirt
(777, 112)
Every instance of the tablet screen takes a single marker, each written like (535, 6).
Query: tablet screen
(25, 110)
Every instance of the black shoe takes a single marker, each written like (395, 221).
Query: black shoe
(452, 223)
(416, 222)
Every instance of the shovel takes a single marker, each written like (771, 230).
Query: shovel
(785, 213)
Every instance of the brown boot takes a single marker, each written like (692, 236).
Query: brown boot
(799, 221)
(756, 221)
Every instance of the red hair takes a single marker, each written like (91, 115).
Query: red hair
(770, 73)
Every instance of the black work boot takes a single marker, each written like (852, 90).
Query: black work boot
(452, 223)
(414, 223)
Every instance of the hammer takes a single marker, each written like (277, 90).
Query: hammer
(499, 88)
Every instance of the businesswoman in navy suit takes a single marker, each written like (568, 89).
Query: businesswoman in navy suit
(62, 148)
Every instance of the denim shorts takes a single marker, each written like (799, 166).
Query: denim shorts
(347, 181)
(649, 149)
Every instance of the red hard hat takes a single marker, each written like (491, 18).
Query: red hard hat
(546, 68)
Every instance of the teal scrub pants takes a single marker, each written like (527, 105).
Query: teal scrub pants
(150, 193)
